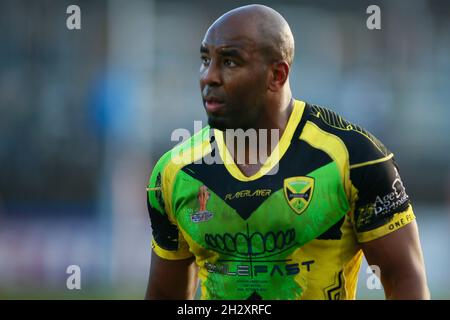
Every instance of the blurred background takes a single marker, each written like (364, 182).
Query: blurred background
(84, 115)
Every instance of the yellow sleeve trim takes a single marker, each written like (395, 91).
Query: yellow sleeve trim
(399, 220)
(362, 164)
(170, 255)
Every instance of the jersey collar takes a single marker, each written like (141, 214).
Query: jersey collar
(276, 155)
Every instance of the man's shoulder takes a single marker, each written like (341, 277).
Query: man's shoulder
(362, 146)
(185, 152)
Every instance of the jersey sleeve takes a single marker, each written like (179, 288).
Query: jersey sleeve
(168, 242)
(378, 198)
(382, 204)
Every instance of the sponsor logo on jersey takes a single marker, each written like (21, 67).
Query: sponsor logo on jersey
(392, 200)
(255, 244)
(255, 253)
(248, 193)
(384, 205)
(256, 269)
(299, 192)
(202, 214)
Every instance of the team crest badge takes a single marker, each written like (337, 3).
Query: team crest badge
(299, 192)
(202, 214)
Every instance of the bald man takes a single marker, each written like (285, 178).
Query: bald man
(295, 224)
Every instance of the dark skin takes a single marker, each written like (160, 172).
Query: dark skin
(399, 256)
(172, 280)
(249, 79)
(247, 86)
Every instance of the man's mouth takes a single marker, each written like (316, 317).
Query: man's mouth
(213, 105)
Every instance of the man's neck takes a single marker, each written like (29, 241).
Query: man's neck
(251, 151)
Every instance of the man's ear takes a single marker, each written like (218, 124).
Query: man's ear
(278, 75)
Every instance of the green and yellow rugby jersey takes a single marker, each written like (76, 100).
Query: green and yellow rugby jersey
(289, 233)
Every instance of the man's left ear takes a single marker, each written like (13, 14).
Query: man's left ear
(279, 75)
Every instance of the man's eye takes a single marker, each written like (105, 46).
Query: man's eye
(229, 63)
(205, 61)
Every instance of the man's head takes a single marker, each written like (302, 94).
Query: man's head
(246, 56)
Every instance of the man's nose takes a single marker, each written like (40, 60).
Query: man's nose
(211, 75)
